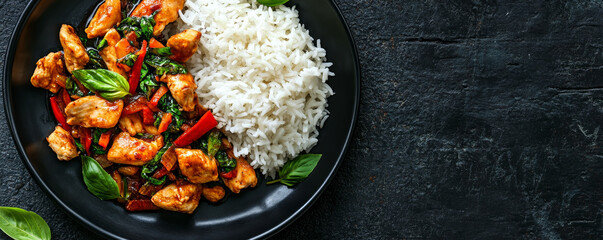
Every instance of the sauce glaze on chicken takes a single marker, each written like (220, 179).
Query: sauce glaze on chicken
(147, 140)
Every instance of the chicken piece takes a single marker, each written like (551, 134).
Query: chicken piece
(76, 56)
(182, 87)
(107, 16)
(131, 123)
(180, 196)
(133, 151)
(62, 144)
(49, 73)
(213, 194)
(183, 45)
(168, 12)
(94, 111)
(245, 177)
(102, 161)
(109, 53)
(196, 166)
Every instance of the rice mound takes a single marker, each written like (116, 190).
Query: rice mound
(259, 71)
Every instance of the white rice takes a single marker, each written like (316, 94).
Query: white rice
(259, 71)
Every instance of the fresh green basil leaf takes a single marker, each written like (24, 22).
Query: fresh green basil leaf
(163, 52)
(23, 225)
(214, 142)
(108, 84)
(98, 182)
(297, 170)
(272, 3)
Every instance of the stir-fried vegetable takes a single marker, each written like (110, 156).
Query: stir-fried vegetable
(58, 113)
(142, 26)
(105, 83)
(169, 105)
(214, 141)
(151, 166)
(206, 123)
(164, 65)
(135, 75)
(98, 182)
(226, 164)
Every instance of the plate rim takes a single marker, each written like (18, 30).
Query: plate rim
(8, 108)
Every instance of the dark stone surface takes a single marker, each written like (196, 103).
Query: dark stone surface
(478, 119)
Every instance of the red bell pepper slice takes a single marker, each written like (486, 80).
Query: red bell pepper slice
(158, 94)
(58, 114)
(86, 139)
(147, 116)
(66, 97)
(104, 139)
(206, 123)
(153, 43)
(166, 119)
(229, 175)
(135, 75)
(140, 205)
(135, 106)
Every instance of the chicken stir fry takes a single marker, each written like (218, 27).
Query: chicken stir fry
(49, 73)
(125, 99)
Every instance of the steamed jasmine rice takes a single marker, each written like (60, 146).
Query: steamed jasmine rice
(260, 72)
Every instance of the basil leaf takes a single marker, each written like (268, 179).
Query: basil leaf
(297, 170)
(142, 26)
(163, 52)
(98, 182)
(151, 166)
(21, 224)
(226, 164)
(272, 3)
(214, 142)
(164, 65)
(96, 61)
(108, 84)
(128, 60)
(168, 104)
(102, 44)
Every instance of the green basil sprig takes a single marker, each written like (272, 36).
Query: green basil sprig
(297, 170)
(99, 182)
(150, 167)
(225, 163)
(108, 84)
(272, 3)
(21, 224)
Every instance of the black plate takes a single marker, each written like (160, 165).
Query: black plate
(254, 213)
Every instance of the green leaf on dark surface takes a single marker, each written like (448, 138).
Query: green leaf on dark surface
(23, 225)
(108, 84)
(272, 3)
(297, 170)
(98, 182)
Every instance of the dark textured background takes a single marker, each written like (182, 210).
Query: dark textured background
(479, 119)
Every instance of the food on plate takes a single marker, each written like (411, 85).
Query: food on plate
(161, 121)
